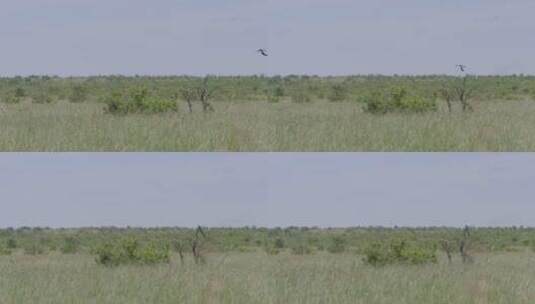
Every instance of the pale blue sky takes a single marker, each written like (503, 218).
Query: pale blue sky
(89, 37)
(262, 189)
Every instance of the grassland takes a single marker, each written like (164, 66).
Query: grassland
(258, 278)
(265, 114)
(261, 126)
(260, 265)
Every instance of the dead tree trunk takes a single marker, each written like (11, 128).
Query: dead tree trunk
(463, 93)
(446, 94)
(204, 96)
(196, 252)
(446, 246)
(467, 258)
(196, 245)
(179, 247)
(189, 96)
(464, 255)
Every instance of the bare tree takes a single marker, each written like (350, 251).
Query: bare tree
(466, 257)
(464, 93)
(459, 90)
(466, 232)
(196, 246)
(189, 96)
(198, 92)
(205, 92)
(447, 248)
(179, 247)
(448, 97)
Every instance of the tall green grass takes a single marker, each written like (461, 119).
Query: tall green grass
(260, 278)
(264, 126)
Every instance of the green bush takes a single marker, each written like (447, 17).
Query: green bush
(130, 252)
(34, 248)
(42, 98)
(11, 243)
(376, 104)
(301, 249)
(274, 247)
(158, 105)
(273, 99)
(11, 98)
(138, 101)
(78, 94)
(5, 251)
(116, 103)
(301, 97)
(20, 92)
(279, 92)
(270, 250)
(109, 255)
(398, 101)
(338, 93)
(337, 244)
(377, 255)
(398, 253)
(279, 243)
(70, 245)
(416, 104)
(153, 254)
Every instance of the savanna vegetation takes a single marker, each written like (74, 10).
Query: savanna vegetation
(256, 113)
(260, 265)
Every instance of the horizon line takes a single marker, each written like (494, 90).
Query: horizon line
(127, 227)
(66, 76)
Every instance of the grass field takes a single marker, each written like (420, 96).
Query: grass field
(262, 126)
(258, 278)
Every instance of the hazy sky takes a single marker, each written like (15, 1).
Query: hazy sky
(303, 189)
(82, 37)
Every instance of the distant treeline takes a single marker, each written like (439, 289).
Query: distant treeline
(255, 88)
(312, 239)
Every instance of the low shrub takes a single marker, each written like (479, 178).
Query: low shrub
(279, 243)
(11, 98)
(417, 104)
(78, 94)
(377, 255)
(376, 103)
(273, 99)
(34, 248)
(398, 253)
(337, 244)
(130, 252)
(300, 249)
(301, 97)
(138, 101)
(70, 245)
(11, 243)
(398, 101)
(274, 247)
(42, 98)
(152, 254)
(5, 251)
(338, 93)
(270, 250)
(20, 92)
(109, 255)
(279, 92)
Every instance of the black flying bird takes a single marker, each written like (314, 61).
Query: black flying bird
(461, 67)
(263, 52)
